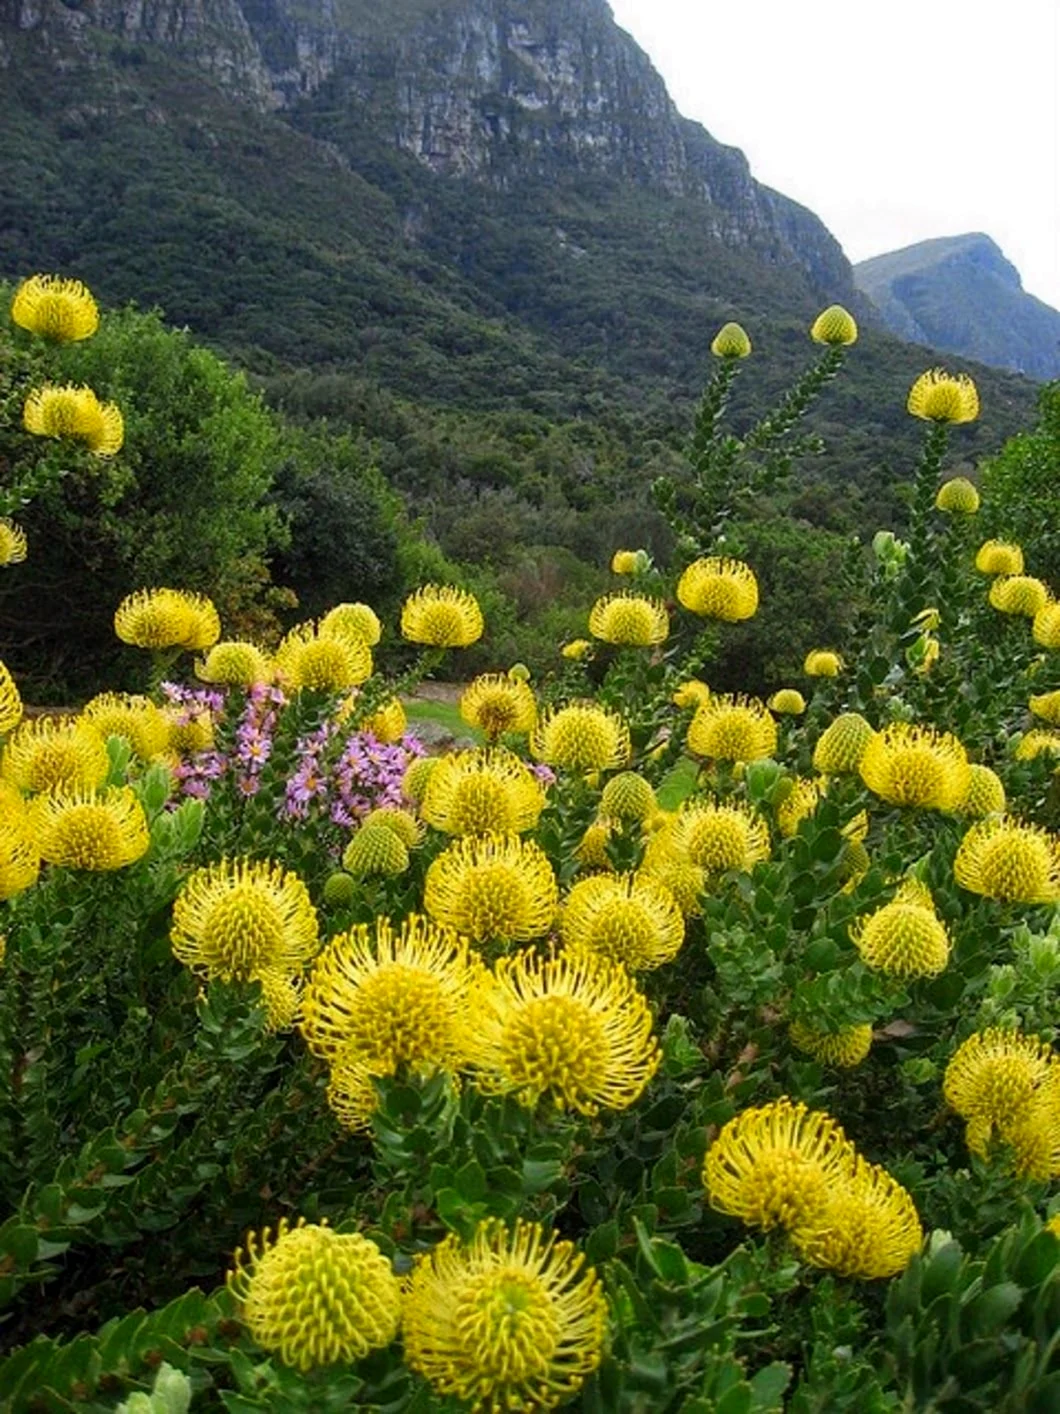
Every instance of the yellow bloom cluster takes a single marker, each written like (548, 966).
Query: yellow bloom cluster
(719, 588)
(497, 703)
(74, 412)
(167, 618)
(732, 728)
(905, 937)
(1006, 1086)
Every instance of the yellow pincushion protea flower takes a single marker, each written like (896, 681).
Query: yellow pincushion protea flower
(719, 588)
(497, 703)
(842, 745)
(75, 413)
(822, 663)
(417, 774)
(315, 1297)
(1033, 1132)
(581, 737)
(490, 792)
(957, 497)
(1019, 594)
(787, 702)
(54, 308)
(938, 396)
(442, 617)
(12, 543)
(593, 846)
(19, 859)
(629, 918)
(868, 1229)
(50, 753)
(627, 797)
(624, 562)
(731, 341)
(1036, 743)
(375, 851)
(775, 1165)
(845, 1048)
(991, 1078)
(137, 719)
(1046, 705)
(916, 767)
(357, 621)
(986, 793)
(719, 838)
(692, 693)
(1046, 626)
(732, 728)
(234, 663)
(167, 618)
(10, 702)
(578, 650)
(189, 731)
(247, 921)
(388, 723)
(999, 557)
(510, 1320)
(496, 887)
(904, 938)
(834, 326)
(1004, 859)
(629, 620)
(89, 830)
(572, 1027)
(798, 805)
(408, 829)
(308, 661)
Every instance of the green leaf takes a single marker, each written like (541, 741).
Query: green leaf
(992, 1308)
(471, 1182)
(769, 1384)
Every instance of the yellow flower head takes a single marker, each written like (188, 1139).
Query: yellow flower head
(19, 859)
(732, 728)
(719, 588)
(686, 881)
(408, 829)
(88, 830)
(624, 562)
(581, 737)
(1036, 743)
(235, 663)
(375, 851)
(417, 774)
(998, 557)
(627, 796)
(717, 838)
(489, 792)
(247, 920)
(1002, 858)
(1046, 626)
(775, 1165)
(49, 753)
(388, 723)
(731, 341)
(845, 1048)
(76, 413)
(798, 805)
(497, 703)
(986, 794)
(1046, 705)
(10, 702)
(189, 731)
(496, 887)
(916, 766)
(167, 618)
(938, 396)
(630, 620)
(629, 918)
(957, 497)
(822, 663)
(787, 702)
(842, 745)
(573, 1027)
(692, 693)
(868, 1229)
(137, 719)
(12, 543)
(905, 937)
(58, 309)
(1019, 594)
(1034, 1131)
(834, 326)
(592, 848)
(306, 660)
(578, 650)
(442, 617)
(991, 1078)
(356, 621)
(315, 1297)
(510, 1320)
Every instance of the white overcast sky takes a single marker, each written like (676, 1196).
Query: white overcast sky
(894, 120)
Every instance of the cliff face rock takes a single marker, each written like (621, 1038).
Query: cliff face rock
(961, 295)
(490, 90)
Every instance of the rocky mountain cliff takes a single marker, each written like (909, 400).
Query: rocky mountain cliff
(961, 295)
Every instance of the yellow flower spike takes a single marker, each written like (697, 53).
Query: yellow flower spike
(512, 1320)
(497, 703)
(627, 797)
(719, 588)
(999, 557)
(10, 702)
(904, 938)
(834, 326)
(234, 663)
(938, 396)
(89, 830)
(842, 745)
(1036, 743)
(775, 1165)
(489, 792)
(629, 620)
(581, 737)
(731, 341)
(1002, 858)
(74, 412)
(54, 308)
(417, 774)
(356, 621)
(1019, 594)
(1046, 705)
(719, 838)
(408, 829)
(315, 1297)
(732, 728)
(1046, 626)
(624, 562)
(19, 859)
(442, 617)
(868, 1229)
(375, 851)
(247, 920)
(916, 767)
(798, 805)
(845, 1048)
(496, 887)
(572, 1027)
(629, 918)
(787, 702)
(822, 663)
(579, 650)
(692, 693)
(991, 1078)
(12, 543)
(957, 497)
(389, 723)
(986, 793)
(136, 719)
(307, 661)
(55, 753)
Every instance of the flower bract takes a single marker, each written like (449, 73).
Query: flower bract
(842, 745)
